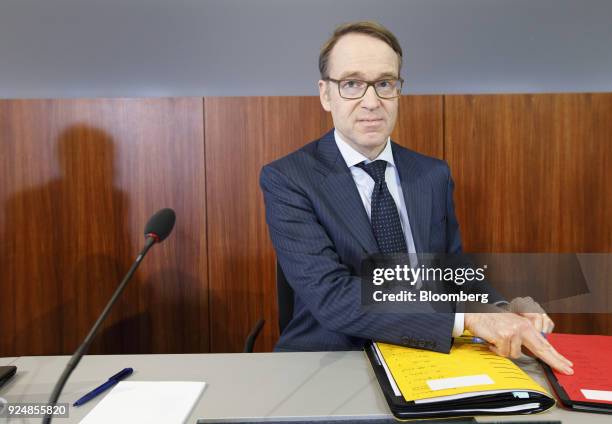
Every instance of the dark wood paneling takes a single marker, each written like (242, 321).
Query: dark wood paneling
(242, 135)
(420, 125)
(533, 174)
(79, 180)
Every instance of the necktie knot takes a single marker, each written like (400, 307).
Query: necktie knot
(375, 169)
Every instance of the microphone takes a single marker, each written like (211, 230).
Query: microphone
(160, 225)
(157, 229)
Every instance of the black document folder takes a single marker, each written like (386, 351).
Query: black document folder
(500, 402)
(577, 405)
(6, 373)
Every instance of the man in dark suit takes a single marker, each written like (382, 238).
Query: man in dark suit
(353, 193)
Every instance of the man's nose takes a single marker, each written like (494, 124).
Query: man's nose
(370, 99)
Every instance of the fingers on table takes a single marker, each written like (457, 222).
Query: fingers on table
(540, 347)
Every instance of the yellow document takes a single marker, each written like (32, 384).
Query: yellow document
(469, 368)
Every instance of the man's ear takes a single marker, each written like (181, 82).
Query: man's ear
(324, 95)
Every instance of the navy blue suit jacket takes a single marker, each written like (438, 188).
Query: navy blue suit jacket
(321, 232)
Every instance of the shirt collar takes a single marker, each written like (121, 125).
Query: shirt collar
(352, 157)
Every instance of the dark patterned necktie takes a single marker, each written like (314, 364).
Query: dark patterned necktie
(385, 218)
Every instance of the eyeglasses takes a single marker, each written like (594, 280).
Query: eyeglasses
(352, 89)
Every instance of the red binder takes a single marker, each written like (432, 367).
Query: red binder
(590, 387)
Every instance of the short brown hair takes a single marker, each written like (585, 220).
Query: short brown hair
(373, 29)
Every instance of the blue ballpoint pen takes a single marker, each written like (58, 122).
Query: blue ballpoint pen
(124, 373)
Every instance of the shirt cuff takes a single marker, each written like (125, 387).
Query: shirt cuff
(459, 324)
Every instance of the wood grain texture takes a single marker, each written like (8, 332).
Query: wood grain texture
(80, 178)
(242, 135)
(420, 125)
(533, 174)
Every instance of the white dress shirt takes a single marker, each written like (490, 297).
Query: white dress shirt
(365, 186)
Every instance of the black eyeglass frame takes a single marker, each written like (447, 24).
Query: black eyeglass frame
(368, 84)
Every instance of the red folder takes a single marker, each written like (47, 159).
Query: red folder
(590, 387)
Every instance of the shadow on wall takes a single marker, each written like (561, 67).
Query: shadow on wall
(65, 248)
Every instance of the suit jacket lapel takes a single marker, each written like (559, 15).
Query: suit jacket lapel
(338, 184)
(417, 195)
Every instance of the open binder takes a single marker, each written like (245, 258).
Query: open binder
(468, 381)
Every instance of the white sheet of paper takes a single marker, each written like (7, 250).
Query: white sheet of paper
(597, 394)
(455, 382)
(148, 402)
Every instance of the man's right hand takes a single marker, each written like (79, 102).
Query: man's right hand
(506, 333)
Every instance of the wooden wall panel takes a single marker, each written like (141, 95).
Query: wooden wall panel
(533, 174)
(242, 135)
(420, 125)
(79, 180)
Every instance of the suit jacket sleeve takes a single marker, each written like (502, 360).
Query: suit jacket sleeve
(453, 244)
(314, 271)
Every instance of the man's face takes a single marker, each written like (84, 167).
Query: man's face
(364, 123)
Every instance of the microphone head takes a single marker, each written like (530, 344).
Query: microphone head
(160, 225)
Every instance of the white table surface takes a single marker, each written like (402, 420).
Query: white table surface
(246, 387)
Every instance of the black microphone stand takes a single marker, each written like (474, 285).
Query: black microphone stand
(76, 357)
